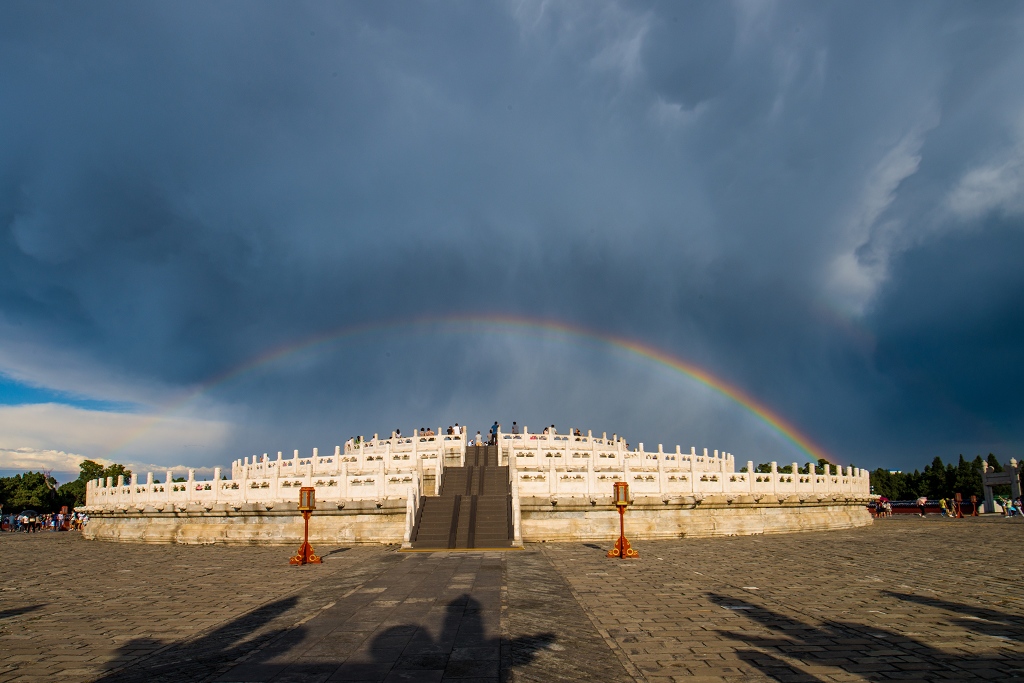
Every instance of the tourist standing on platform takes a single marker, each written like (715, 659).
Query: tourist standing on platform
(515, 427)
(494, 433)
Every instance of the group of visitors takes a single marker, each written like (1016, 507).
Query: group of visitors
(883, 508)
(492, 436)
(29, 521)
(949, 507)
(1011, 508)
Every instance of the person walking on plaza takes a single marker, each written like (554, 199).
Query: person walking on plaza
(942, 508)
(921, 502)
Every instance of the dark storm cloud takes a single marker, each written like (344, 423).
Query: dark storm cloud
(764, 190)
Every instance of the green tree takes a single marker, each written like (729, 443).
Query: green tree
(28, 491)
(934, 480)
(938, 480)
(967, 478)
(73, 492)
(886, 483)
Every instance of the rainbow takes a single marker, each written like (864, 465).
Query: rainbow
(505, 323)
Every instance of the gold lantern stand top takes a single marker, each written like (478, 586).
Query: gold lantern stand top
(622, 548)
(307, 503)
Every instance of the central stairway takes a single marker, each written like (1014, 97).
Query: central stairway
(474, 509)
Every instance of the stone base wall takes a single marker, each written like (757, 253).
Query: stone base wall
(585, 522)
(568, 520)
(282, 525)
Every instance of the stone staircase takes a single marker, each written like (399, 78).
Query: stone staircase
(474, 509)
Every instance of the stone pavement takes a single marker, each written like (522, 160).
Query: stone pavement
(905, 599)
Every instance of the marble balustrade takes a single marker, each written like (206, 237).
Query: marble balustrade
(540, 465)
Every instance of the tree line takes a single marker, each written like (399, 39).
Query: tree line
(38, 491)
(938, 480)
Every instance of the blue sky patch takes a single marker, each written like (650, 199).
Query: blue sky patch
(15, 393)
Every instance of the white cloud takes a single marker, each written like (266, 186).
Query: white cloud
(672, 114)
(871, 238)
(754, 23)
(999, 186)
(53, 436)
(624, 38)
(852, 277)
(65, 466)
(608, 35)
(40, 459)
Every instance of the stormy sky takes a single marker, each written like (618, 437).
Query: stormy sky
(821, 204)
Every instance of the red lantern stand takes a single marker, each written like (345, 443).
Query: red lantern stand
(622, 548)
(974, 506)
(958, 500)
(307, 503)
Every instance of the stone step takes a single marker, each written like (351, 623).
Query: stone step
(474, 506)
(464, 522)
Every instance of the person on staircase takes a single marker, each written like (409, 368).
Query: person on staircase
(494, 434)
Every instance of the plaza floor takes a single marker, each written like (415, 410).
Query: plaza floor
(904, 599)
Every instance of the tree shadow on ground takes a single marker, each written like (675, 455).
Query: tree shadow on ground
(18, 611)
(982, 620)
(874, 653)
(310, 652)
(147, 659)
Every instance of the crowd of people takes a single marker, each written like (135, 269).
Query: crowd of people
(492, 434)
(479, 440)
(949, 507)
(1011, 508)
(30, 521)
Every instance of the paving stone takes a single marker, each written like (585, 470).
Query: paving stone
(846, 605)
(871, 604)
